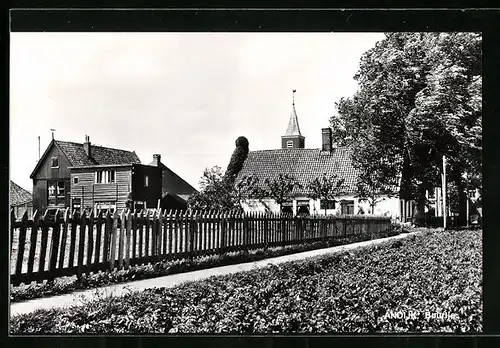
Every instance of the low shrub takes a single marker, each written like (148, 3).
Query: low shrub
(165, 267)
(433, 280)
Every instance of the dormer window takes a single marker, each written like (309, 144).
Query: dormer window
(54, 162)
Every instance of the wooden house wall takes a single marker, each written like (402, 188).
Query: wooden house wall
(90, 193)
(39, 195)
(46, 173)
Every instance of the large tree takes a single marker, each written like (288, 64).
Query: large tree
(215, 193)
(218, 190)
(419, 98)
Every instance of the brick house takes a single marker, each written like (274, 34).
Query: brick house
(305, 165)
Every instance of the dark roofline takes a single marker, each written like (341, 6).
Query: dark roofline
(112, 165)
(163, 167)
(102, 166)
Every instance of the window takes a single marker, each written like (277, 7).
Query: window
(54, 163)
(75, 180)
(105, 176)
(56, 192)
(60, 188)
(325, 204)
(146, 181)
(347, 207)
(289, 143)
(52, 190)
(111, 176)
(98, 177)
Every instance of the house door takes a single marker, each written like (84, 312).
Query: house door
(303, 208)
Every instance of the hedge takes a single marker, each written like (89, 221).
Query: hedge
(349, 292)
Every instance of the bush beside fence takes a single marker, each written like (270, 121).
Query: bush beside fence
(43, 248)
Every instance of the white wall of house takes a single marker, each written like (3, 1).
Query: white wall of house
(260, 206)
(388, 206)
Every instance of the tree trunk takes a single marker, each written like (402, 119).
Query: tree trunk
(406, 174)
(419, 215)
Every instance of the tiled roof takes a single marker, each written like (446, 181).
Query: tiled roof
(18, 195)
(293, 124)
(99, 155)
(304, 164)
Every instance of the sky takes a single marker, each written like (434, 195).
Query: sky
(186, 96)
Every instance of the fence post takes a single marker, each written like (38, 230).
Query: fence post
(81, 244)
(128, 218)
(43, 246)
(112, 251)
(159, 234)
(21, 244)
(223, 232)
(266, 238)
(33, 238)
(64, 238)
(90, 247)
(246, 231)
(192, 232)
(12, 227)
(54, 245)
(121, 239)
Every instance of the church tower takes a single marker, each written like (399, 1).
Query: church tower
(292, 138)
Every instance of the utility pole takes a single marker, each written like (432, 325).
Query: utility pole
(443, 180)
(467, 198)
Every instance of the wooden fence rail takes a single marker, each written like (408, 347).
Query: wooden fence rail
(43, 247)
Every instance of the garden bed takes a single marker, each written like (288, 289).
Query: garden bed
(430, 282)
(165, 267)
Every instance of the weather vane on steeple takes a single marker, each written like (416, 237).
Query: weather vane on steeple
(293, 96)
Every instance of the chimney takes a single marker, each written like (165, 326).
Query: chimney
(327, 139)
(156, 159)
(86, 146)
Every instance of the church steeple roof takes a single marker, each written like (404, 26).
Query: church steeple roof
(293, 124)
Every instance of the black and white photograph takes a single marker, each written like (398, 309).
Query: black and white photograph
(245, 183)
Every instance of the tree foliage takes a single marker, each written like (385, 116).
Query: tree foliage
(215, 193)
(218, 190)
(280, 188)
(238, 157)
(419, 98)
(325, 188)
